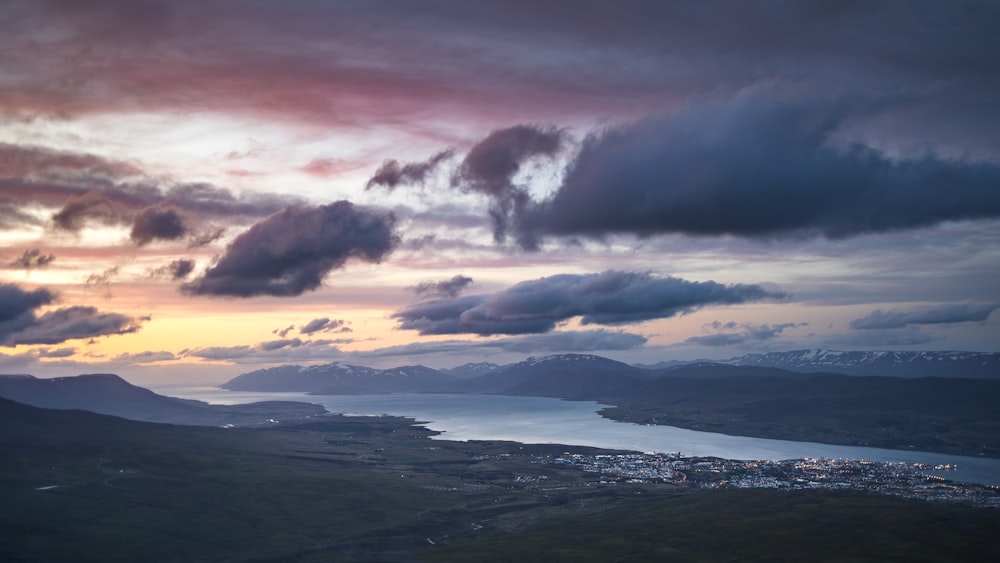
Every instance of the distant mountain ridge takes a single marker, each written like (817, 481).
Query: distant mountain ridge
(341, 378)
(892, 364)
(955, 414)
(575, 375)
(570, 376)
(466, 371)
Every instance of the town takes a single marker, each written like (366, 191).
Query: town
(898, 479)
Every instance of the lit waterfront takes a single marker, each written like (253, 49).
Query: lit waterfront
(897, 479)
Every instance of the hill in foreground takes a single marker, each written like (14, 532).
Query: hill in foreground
(77, 486)
(110, 394)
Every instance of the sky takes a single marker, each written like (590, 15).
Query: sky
(194, 190)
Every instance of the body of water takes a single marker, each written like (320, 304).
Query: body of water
(540, 420)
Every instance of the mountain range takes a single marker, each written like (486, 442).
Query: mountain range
(892, 364)
(933, 409)
(342, 379)
(582, 374)
(943, 412)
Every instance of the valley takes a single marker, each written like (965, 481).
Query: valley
(86, 487)
(944, 413)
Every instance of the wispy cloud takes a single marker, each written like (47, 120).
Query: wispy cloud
(553, 342)
(31, 259)
(392, 173)
(734, 334)
(942, 314)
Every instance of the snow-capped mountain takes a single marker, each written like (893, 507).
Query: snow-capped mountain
(339, 378)
(560, 375)
(897, 364)
(470, 370)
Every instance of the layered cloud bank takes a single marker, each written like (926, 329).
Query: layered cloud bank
(20, 322)
(607, 298)
(494, 178)
(749, 168)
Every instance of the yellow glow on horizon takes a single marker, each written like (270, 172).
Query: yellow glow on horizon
(370, 329)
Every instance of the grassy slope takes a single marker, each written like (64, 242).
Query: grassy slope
(750, 525)
(375, 489)
(127, 490)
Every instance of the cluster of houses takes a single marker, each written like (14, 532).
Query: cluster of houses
(899, 479)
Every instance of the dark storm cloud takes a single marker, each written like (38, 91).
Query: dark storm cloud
(490, 165)
(609, 298)
(392, 174)
(70, 323)
(943, 314)
(447, 288)
(442, 317)
(732, 333)
(157, 223)
(291, 251)
(31, 259)
(757, 169)
(15, 302)
(20, 324)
